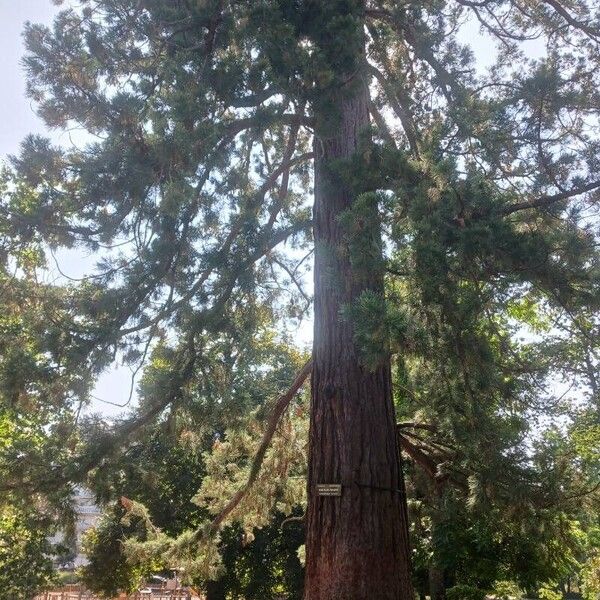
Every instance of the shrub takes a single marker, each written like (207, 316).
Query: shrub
(548, 592)
(465, 592)
(505, 590)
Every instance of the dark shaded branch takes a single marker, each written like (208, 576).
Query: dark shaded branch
(382, 125)
(424, 461)
(399, 107)
(572, 21)
(300, 519)
(545, 201)
(412, 425)
(254, 99)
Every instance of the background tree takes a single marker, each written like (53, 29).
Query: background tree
(26, 555)
(203, 443)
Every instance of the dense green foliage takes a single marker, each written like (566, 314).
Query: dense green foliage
(267, 567)
(23, 548)
(182, 469)
(108, 573)
(191, 188)
(25, 552)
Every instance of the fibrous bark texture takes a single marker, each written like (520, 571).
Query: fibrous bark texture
(357, 544)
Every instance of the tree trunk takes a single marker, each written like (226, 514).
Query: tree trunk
(215, 590)
(437, 582)
(357, 544)
(437, 577)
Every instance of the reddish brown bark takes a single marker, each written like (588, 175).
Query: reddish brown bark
(357, 544)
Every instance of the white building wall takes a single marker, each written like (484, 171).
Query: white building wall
(87, 515)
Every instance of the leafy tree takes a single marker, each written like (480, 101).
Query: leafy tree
(38, 390)
(488, 503)
(266, 566)
(188, 453)
(26, 556)
(107, 572)
(261, 565)
(591, 578)
(208, 119)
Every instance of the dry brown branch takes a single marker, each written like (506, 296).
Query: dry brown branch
(282, 403)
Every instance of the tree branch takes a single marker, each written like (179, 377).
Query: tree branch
(424, 461)
(282, 403)
(399, 107)
(545, 201)
(571, 20)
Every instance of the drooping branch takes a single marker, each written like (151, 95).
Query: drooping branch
(413, 425)
(280, 406)
(113, 442)
(424, 461)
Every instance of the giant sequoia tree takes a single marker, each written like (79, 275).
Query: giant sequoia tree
(204, 122)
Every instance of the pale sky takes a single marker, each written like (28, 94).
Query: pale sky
(19, 119)
(18, 116)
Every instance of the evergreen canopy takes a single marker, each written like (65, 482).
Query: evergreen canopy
(475, 194)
